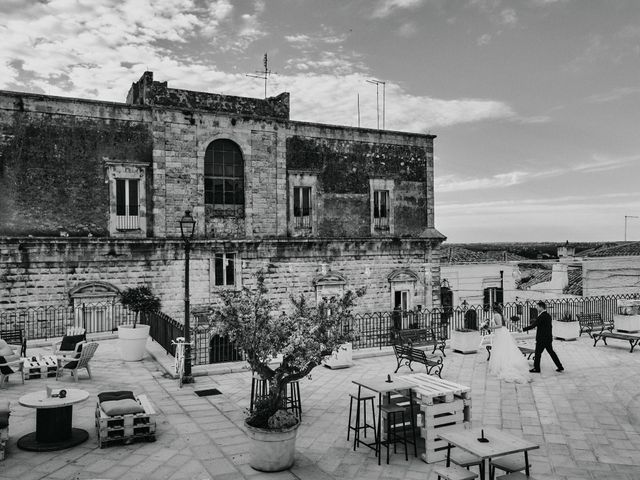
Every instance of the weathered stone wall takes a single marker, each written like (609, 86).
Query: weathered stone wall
(41, 272)
(147, 92)
(52, 162)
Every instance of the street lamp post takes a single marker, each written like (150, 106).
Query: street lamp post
(187, 229)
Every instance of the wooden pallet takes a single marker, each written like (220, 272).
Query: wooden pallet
(4, 437)
(126, 428)
(44, 367)
(429, 389)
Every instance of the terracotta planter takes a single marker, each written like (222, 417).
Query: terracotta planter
(627, 323)
(272, 450)
(465, 342)
(566, 330)
(343, 358)
(133, 342)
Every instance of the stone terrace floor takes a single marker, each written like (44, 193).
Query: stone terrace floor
(586, 420)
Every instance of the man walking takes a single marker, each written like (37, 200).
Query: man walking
(544, 337)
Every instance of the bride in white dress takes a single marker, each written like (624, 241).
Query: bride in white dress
(506, 362)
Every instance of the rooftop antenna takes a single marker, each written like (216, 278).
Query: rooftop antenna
(358, 110)
(263, 74)
(377, 83)
(625, 224)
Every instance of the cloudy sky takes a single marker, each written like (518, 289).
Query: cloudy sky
(535, 103)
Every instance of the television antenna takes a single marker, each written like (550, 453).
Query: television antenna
(377, 83)
(626, 217)
(263, 74)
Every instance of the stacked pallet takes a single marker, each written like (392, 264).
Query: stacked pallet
(441, 404)
(40, 367)
(126, 428)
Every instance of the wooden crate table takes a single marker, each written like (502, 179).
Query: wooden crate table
(40, 367)
(442, 404)
(126, 428)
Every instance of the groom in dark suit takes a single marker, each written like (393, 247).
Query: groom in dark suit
(544, 337)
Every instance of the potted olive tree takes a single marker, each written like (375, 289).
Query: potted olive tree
(133, 337)
(302, 337)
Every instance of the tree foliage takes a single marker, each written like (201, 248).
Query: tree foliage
(304, 337)
(140, 299)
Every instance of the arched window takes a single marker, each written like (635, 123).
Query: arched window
(224, 178)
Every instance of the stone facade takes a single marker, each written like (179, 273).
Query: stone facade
(366, 215)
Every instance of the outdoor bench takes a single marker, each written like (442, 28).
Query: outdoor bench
(15, 337)
(422, 337)
(633, 339)
(592, 321)
(406, 355)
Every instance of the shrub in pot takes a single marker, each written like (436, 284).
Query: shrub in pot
(133, 337)
(303, 338)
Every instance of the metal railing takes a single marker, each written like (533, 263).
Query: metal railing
(372, 330)
(48, 322)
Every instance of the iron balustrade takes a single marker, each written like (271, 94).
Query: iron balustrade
(370, 330)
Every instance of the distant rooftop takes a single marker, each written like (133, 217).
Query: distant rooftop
(456, 254)
(622, 249)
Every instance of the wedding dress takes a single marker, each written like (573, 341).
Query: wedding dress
(507, 362)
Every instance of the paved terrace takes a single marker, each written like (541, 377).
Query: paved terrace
(587, 420)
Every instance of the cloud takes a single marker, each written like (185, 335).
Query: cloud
(508, 17)
(613, 95)
(450, 183)
(387, 7)
(453, 183)
(604, 163)
(483, 40)
(542, 3)
(408, 29)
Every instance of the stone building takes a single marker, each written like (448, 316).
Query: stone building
(92, 193)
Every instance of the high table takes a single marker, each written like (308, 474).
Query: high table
(381, 386)
(53, 421)
(500, 443)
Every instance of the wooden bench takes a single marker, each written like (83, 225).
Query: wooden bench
(592, 321)
(424, 337)
(632, 338)
(406, 355)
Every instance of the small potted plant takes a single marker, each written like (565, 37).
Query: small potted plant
(133, 337)
(301, 338)
(628, 317)
(566, 327)
(465, 340)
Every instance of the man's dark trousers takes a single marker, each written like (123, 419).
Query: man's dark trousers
(540, 347)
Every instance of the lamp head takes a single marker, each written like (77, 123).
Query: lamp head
(187, 226)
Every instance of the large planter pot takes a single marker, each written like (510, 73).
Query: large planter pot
(566, 330)
(627, 323)
(465, 341)
(272, 450)
(133, 342)
(343, 358)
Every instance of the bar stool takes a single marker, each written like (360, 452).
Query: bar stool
(453, 472)
(466, 460)
(508, 463)
(361, 419)
(394, 433)
(290, 400)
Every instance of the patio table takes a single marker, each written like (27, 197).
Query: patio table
(499, 443)
(381, 386)
(53, 421)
